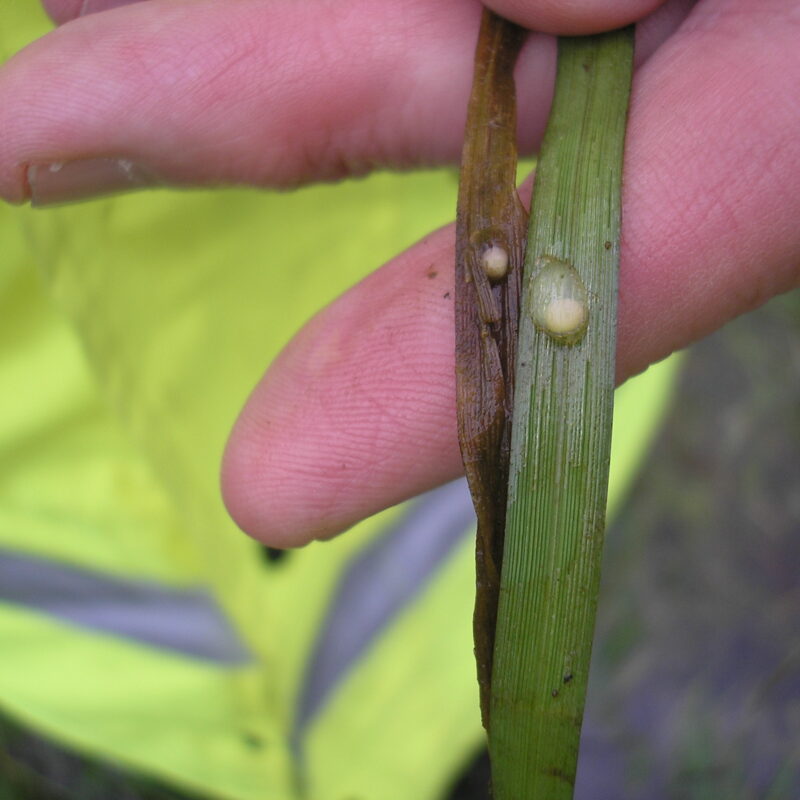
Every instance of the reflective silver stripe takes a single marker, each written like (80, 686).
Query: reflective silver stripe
(376, 586)
(185, 621)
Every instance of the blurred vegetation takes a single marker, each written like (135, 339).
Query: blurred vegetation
(695, 690)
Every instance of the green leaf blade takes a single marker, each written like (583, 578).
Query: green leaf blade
(561, 434)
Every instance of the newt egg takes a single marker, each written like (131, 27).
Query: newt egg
(560, 301)
(494, 262)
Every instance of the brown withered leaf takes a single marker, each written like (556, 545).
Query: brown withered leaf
(491, 224)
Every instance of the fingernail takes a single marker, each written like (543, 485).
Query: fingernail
(68, 181)
(92, 6)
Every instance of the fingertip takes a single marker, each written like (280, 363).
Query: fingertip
(61, 11)
(260, 506)
(573, 17)
(357, 414)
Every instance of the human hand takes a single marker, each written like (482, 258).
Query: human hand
(358, 412)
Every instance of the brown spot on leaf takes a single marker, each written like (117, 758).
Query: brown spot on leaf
(557, 772)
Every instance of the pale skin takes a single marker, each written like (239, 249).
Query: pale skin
(279, 92)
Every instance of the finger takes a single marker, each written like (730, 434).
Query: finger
(551, 16)
(358, 413)
(713, 173)
(575, 17)
(249, 92)
(398, 324)
(271, 94)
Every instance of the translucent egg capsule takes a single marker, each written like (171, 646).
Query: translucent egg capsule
(560, 302)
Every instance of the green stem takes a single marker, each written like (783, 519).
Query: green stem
(561, 431)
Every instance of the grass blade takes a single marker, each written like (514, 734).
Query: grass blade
(561, 430)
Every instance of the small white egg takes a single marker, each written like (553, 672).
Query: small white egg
(564, 316)
(560, 302)
(494, 262)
